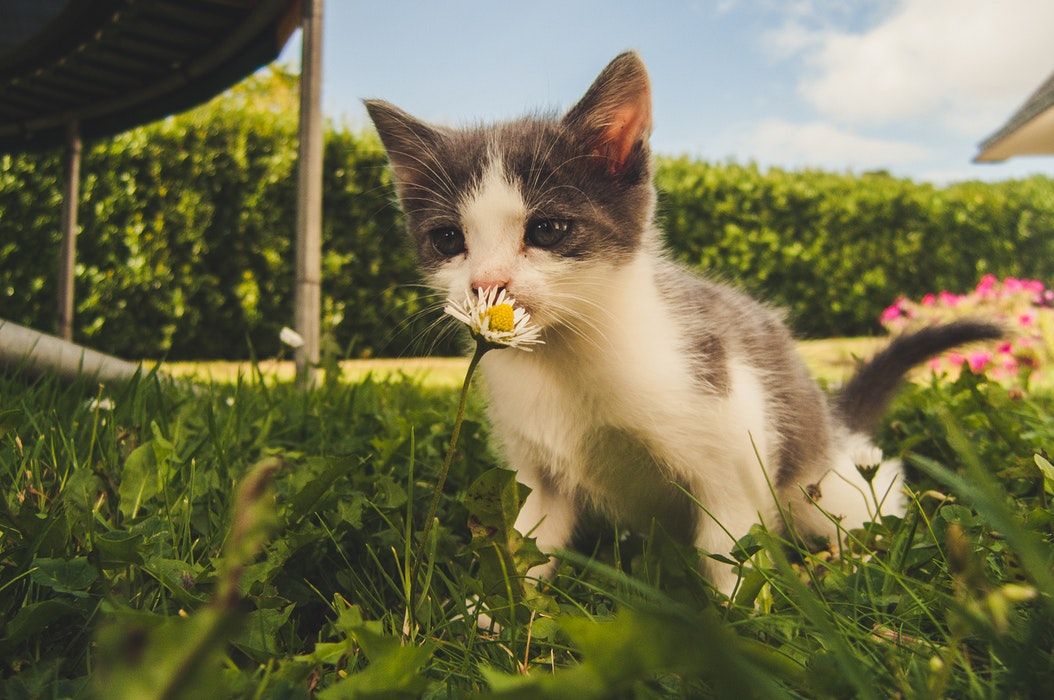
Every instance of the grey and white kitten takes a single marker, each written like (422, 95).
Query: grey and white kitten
(652, 382)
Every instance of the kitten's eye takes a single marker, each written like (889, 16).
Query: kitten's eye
(447, 241)
(545, 233)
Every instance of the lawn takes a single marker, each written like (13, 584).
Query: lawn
(249, 540)
(830, 360)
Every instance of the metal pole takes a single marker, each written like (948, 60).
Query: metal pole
(68, 251)
(38, 353)
(307, 294)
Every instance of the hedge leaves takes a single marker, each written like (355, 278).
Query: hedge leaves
(186, 249)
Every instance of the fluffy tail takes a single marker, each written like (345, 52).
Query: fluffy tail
(863, 400)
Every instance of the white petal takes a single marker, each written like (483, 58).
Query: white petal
(867, 456)
(473, 313)
(290, 337)
(458, 314)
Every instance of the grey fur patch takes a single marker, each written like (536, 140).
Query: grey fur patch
(712, 371)
(560, 178)
(798, 409)
(434, 168)
(708, 354)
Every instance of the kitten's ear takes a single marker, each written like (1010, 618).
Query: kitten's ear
(410, 142)
(614, 116)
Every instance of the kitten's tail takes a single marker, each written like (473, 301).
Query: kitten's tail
(863, 400)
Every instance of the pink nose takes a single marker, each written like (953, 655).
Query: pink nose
(487, 283)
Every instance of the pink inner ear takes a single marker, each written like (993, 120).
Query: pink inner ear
(629, 124)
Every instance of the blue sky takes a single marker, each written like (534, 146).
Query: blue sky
(910, 86)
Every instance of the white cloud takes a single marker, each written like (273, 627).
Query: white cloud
(818, 144)
(964, 64)
(793, 37)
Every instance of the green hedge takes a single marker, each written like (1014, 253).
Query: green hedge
(186, 241)
(834, 250)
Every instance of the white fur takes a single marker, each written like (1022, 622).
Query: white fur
(567, 414)
(610, 411)
(493, 215)
(843, 500)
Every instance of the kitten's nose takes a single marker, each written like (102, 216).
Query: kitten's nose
(485, 283)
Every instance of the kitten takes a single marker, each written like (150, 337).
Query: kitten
(652, 382)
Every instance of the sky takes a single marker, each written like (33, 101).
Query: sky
(908, 86)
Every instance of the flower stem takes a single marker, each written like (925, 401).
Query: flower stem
(481, 348)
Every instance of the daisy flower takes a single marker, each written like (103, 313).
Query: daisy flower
(104, 404)
(495, 320)
(867, 459)
(291, 337)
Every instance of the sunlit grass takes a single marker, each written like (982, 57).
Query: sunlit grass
(429, 371)
(831, 360)
(129, 564)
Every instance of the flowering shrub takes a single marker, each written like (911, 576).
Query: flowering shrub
(1025, 307)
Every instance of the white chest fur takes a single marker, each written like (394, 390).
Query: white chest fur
(618, 417)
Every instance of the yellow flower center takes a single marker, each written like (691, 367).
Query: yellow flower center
(501, 318)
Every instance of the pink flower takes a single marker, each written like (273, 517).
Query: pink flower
(1006, 348)
(986, 287)
(949, 299)
(1012, 285)
(1010, 363)
(978, 361)
(893, 311)
(929, 300)
(1027, 318)
(935, 364)
(955, 359)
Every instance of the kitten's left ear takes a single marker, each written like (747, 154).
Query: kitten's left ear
(614, 116)
(410, 142)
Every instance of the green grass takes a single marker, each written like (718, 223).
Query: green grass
(132, 565)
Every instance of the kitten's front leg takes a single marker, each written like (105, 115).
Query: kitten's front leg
(548, 515)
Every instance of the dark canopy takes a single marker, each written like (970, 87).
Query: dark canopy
(113, 64)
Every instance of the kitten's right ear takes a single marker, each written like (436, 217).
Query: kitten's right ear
(614, 116)
(410, 142)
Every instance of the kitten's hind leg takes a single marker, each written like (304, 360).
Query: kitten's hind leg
(842, 499)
